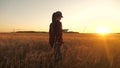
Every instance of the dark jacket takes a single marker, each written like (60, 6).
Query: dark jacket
(55, 33)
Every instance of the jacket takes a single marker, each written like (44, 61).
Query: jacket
(55, 33)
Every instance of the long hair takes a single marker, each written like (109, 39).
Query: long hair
(54, 17)
(54, 20)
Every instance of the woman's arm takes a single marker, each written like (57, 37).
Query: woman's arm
(59, 36)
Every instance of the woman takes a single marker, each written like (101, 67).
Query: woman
(55, 35)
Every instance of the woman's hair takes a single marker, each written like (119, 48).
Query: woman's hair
(54, 17)
(54, 20)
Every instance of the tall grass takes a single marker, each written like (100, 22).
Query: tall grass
(78, 51)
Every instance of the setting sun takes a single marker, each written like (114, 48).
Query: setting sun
(103, 30)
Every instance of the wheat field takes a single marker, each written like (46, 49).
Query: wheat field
(32, 50)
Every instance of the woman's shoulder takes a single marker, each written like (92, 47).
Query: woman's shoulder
(57, 23)
(51, 24)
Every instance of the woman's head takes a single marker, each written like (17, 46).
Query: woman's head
(56, 16)
(59, 14)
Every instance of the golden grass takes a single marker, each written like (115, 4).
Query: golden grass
(78, 51)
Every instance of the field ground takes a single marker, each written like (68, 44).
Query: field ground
(27, 50)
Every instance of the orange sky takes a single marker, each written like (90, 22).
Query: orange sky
(79, 15)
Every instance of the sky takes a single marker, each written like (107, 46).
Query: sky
(83, 16)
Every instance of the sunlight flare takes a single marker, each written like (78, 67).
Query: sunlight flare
(103, 30)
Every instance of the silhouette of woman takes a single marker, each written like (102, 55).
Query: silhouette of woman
(55, 35)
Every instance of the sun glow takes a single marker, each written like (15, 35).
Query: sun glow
(103, 30)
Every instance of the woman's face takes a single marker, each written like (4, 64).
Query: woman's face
(58, 18)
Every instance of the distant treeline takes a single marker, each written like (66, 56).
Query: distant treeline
(40, 32)
(30, 32)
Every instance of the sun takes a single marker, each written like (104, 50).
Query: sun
(103, 30)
